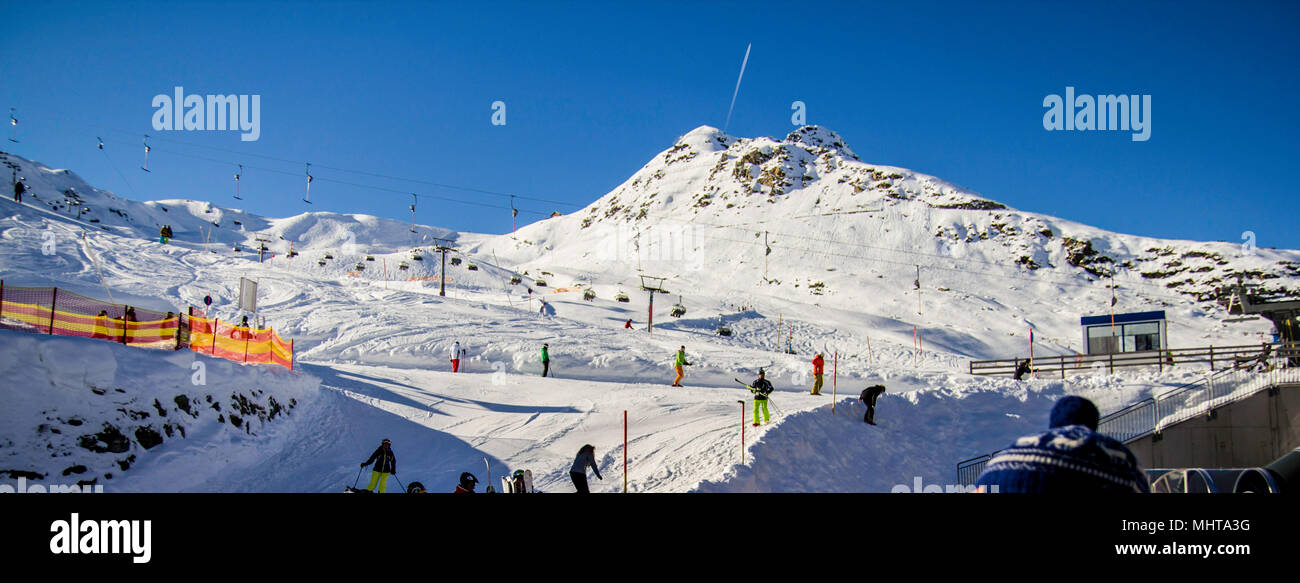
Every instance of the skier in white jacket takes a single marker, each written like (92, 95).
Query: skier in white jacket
(455, 357)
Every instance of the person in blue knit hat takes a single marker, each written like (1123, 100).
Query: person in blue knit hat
(1070, 457)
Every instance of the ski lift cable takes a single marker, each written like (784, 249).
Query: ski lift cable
(982, 273)
(116, 168)
(368, 173)
(920, 253)
(343, 182)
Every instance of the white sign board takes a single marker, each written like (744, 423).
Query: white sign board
(247, 295)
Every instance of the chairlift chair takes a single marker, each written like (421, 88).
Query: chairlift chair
(589, 294)
(455, 261)
(539, 282)
(472, 267)
(622, 297)
(360, 266)
(403, 266)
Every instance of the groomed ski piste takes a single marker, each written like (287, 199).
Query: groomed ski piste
(372, 345)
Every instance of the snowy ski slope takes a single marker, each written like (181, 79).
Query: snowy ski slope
(372, 345)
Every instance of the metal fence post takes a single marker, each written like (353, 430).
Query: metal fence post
(54, 299)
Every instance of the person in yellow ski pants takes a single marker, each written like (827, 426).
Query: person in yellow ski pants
(385, 464)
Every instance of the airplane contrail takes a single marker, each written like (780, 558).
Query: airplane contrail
(737, 91)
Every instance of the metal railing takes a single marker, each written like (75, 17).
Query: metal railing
(1216, 356)
(1194, 399)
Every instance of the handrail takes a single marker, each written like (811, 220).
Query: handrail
(1186, 401)
(1062, 363)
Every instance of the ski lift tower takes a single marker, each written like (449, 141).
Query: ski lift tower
(443, 246)
(1283, 313)
(652, 284)
(262, 247)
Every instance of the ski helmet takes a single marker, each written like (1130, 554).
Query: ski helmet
(467, 481)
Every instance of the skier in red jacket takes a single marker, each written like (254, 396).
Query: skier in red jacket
(819, 366)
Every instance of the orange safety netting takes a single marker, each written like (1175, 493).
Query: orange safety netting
(48, 310)
(239, 343)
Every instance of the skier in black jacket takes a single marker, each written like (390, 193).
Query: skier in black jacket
(586, 458)
(761, 389)
(385, 464)
(19, 189)
(868, 398)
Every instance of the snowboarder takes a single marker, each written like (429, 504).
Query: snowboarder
(819, 365)
(678, 364)
(467, 483)
(1022, 370)
(761, 389)
(546, 360)
(19, 189)
(1069, 458)
(455, 357)
(628, 324)
(165, 234)
(385, 464)
(578, 472)
(868, 398)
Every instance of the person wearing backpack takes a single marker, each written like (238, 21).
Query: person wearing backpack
(578, 472)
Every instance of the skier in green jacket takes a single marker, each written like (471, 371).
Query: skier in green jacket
(678, 364)
(546, 360)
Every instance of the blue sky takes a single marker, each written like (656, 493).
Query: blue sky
(593, 91)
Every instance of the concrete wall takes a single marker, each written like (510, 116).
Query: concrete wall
(1248, 433)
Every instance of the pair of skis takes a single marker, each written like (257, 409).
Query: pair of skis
(508, 485)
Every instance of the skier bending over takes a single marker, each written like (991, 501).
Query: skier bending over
(586, 458)
(1021, 370)
(678, 364)
(761, 389)
(868, 398)
(385, 464)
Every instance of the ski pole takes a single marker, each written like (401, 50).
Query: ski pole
(399, 482)
(354, 481)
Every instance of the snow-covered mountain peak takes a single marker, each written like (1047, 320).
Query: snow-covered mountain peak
(820, 137)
